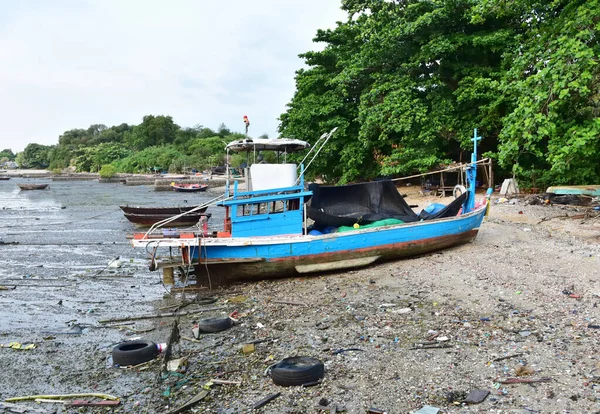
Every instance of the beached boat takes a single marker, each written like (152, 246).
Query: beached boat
(189, 188)
(265, 231)
(160, 210)
(148, 220)
(29, 186)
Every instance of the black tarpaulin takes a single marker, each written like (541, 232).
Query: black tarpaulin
(365, 203)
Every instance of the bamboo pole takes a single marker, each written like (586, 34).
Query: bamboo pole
(62, 396)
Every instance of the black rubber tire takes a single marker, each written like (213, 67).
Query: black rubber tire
(214, 324)
(297, 371)
(134, 352)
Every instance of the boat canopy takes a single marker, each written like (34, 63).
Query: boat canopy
(367, 202)
(286, 145)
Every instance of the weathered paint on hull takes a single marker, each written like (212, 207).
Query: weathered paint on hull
(262, 261)
(224, 273)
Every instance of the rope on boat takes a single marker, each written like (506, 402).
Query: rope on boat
(166, 221)
(484, 161)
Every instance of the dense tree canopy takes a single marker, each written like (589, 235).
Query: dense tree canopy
(407, 81)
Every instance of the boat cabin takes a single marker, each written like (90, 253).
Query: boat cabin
(273, 204)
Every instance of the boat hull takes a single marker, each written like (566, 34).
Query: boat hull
(241, 259)
(147, 220)
(32, 186)
(190, 188)
(160, 210)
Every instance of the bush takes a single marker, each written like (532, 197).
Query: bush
(107, 171)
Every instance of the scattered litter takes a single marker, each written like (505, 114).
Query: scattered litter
(265, 401)
(238, 299)
(19, 346)
(523, 370)
(177, 365)
(402, 310)
(428, 409)
(476, 396)
(248, 349)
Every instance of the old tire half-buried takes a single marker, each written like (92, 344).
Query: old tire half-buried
(134, 352)
(297, 371)
(214, 324)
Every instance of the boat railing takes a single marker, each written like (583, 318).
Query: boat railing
(162, 223)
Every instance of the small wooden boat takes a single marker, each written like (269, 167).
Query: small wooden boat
(159, 210)
(189, 188)
(148, 220)
(28, 186)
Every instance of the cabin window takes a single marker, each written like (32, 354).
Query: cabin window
(293, 204)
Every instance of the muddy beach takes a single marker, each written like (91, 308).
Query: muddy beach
(521, 299)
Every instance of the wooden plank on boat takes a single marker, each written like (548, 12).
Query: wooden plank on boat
(340, 264)
(177, 262)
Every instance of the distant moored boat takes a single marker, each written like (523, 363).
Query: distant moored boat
(189, 188)
(28, 186)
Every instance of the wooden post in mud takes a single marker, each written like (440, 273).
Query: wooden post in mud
(168, 278)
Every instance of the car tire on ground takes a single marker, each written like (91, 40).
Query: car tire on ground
(214, 324)
(297, 371)
(134, 352)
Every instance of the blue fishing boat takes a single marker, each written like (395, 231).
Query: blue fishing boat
(266, 233)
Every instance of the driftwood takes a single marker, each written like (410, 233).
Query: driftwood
(62, 396)
(523, 380)
(160, 315)
(173, 338)
(506, 357)
(287, 302)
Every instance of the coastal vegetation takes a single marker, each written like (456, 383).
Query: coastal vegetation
(405, 82)
(155, 145)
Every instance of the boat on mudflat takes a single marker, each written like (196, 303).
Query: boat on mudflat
(189, 188)
(29, 186)
(159, 210)
(265, 232)
(148, 220)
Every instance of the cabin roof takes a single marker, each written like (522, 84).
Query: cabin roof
(262, 144)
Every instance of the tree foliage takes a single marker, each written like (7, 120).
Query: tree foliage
(406, 82)
(35, 156)
(7, 154)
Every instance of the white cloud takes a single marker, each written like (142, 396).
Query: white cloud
(68, 64)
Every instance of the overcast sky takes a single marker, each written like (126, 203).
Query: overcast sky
(68, 64)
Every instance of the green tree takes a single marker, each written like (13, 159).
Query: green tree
(8, 154)
(36, 156)
(551, 133)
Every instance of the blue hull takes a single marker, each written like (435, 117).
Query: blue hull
(252, 258)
